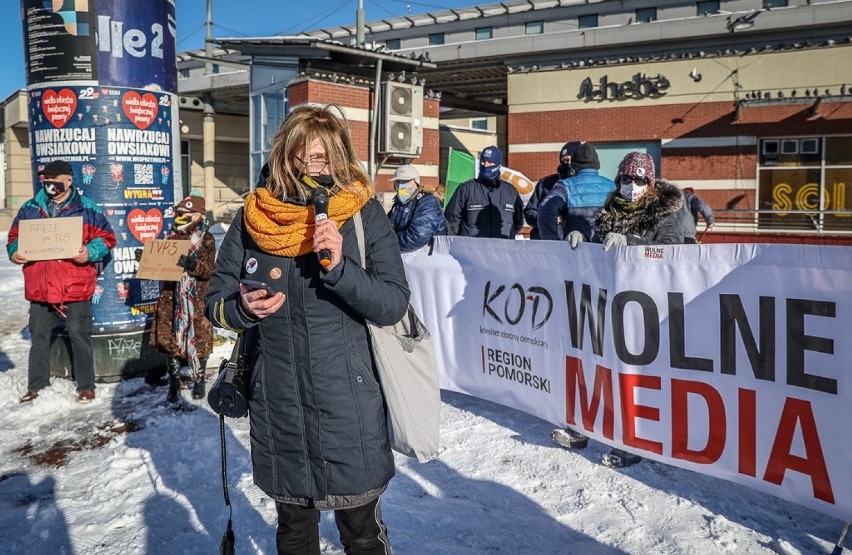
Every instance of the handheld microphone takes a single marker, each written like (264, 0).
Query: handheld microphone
(319, 199)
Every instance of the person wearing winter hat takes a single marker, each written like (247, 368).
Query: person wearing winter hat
(568, 211)
(563, 171)
(180, 329)
(486, 206)
(416, 214)
(642, 211)
(60, 291)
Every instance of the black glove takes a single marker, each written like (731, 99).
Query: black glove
(187, 262)
(138, 254)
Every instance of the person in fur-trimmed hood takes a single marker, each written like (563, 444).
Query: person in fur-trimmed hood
(640, 211)
(180, 328)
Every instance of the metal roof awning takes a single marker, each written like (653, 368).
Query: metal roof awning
(314, 48)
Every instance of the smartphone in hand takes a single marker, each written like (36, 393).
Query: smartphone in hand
(253, 285)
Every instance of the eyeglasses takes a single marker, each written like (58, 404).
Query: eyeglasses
(628, 179)
(313, 165)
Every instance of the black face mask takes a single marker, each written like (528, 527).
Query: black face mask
(53, 188)
(326, 181)
(565, 170)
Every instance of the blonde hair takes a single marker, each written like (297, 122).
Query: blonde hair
(299, 129)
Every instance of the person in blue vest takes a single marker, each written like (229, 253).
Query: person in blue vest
(486, 206)
(416, 214)
(563, 171)
(569, 210)
(60, 291)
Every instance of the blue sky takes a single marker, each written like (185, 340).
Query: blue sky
(231, 18)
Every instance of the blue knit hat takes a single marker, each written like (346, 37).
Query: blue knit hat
(491, 154)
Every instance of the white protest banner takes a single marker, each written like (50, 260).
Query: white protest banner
(50, 238)
(728, 360)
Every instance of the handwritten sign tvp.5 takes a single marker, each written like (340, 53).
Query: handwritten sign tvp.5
(50, 238)
(159, 259)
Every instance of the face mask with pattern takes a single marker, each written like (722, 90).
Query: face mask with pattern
(633, 192)
(53, 188)
(405, 191)
(183, 221)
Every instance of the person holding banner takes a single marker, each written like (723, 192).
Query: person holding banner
(569, 210)
(416, 214)
(60, 291)
(642, 211)
(180, 329)
(319, 434)
(563, 171)
(486, 206)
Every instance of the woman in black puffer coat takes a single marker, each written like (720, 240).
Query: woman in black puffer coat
(319, 439)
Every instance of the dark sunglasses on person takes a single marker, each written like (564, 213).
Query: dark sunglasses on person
(628, 179)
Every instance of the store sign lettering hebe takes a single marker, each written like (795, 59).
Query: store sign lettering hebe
(114, 39)
(637, 88)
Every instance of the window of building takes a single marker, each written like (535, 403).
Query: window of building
(644, 15)
(268, 110)
(707, 8)
(534, 28)
(479, 123)
(587, 21)
(185, 165)
(436, 39)
(393, 44)
(769, 4)
(803, 181)
(484, 33)
(184, 74)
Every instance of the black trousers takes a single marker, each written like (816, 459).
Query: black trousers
(361, 530)
(44, 318)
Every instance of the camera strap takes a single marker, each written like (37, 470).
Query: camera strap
(227, 544)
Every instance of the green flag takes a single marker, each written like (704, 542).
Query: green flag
(461, 166)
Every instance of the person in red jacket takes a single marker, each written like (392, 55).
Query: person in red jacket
(60, 291)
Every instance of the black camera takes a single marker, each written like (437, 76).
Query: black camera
(229, 394)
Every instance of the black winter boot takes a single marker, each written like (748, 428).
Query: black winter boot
(199, 389)
(174, 380)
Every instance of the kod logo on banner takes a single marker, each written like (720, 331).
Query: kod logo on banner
(133, 40)
(513, 303)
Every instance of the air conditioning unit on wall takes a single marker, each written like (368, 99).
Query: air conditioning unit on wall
(402, 119)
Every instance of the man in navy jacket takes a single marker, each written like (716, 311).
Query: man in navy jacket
(486, 206)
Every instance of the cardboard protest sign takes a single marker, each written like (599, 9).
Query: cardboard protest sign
(50, 238)
(159, 259)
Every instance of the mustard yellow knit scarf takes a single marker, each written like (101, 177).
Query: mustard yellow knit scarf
(287, 229)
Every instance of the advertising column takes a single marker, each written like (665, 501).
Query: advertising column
(101, 91)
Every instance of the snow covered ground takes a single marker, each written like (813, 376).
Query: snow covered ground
(127, 474)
